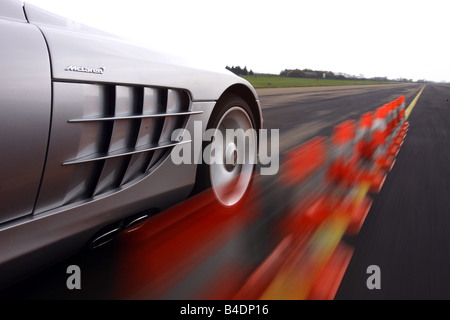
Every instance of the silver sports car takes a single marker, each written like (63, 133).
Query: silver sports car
(90, 140)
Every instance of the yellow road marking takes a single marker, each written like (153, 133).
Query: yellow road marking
(413, 103)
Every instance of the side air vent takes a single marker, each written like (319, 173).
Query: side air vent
(104, 136)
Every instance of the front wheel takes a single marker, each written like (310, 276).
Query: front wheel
(230, 155)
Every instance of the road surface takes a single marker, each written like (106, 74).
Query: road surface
(407, 231)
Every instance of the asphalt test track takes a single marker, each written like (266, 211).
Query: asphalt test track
(407, 231)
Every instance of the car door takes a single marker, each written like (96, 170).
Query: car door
(25, 105)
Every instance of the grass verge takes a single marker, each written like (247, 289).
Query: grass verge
(280, 82)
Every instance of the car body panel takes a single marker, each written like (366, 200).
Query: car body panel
(12, 10)
(70, 175)
(25, 100)
(62, 230)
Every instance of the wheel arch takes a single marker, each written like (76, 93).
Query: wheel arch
(245, 93)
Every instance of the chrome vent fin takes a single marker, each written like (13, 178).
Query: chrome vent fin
(106, 135)
(135, 125)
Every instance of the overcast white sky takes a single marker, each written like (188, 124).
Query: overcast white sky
(392, 38)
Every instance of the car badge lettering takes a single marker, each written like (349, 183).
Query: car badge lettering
(100, 70)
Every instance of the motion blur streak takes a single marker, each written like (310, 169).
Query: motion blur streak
(310, 261)
(326, 184)
(168, 247)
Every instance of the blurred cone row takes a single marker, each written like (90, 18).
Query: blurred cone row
(334, 178)
(328, 181)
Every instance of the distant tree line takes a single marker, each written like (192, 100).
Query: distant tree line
(308, 73)
(240, 71)
(318, 74)
(297, 73)
(312, 74)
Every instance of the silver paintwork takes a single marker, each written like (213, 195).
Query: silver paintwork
(52, 121)
(12, 10)
(25, 100)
